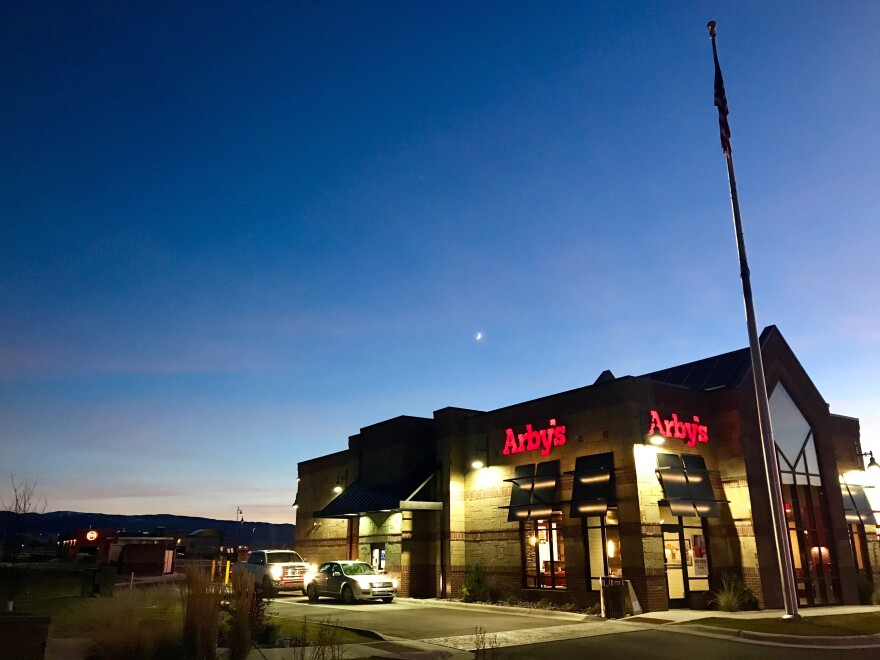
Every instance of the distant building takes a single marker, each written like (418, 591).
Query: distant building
(142, 554)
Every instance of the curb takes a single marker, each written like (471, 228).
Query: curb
(802, 641)
(506, 609)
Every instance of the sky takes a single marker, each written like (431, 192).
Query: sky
(233, 234)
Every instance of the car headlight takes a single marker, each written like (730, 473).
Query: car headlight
(394, 582)
(276, 572)
(308, 577)
(364, 584)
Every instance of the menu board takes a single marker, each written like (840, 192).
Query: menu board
(701, 559)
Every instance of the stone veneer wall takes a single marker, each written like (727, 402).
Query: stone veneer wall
(320, 540)
(382, 528)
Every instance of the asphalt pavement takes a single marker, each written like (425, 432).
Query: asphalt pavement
(414, 620)
(433, 629)
(666, 644)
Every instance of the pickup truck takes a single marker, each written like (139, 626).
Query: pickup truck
(274, 570)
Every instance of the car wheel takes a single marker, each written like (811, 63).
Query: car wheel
(312, 593)
(388, 599)
(347, 595)
(267, 588)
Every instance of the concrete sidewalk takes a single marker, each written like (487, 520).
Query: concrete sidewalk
(511, 610)
(684, 616)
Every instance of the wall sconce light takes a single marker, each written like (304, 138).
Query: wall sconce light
(872, 463)
(481, 460)
(341, 482)
(655, 438)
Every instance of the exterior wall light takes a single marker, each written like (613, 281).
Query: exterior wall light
(656, 439)
(341, 481)
(482, 458)
(872, 463)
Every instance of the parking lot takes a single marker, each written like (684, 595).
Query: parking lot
(423, 619)
(436, 629)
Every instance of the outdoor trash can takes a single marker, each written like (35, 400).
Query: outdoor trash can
(23, 636)
(106, 580)
(614, 592)
(89, 580)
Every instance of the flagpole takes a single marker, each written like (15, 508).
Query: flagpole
(768, 444)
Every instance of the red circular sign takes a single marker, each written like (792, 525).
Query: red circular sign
(91, 536)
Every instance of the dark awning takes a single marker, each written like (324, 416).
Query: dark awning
(856, 506)
(686, 486)
(521, 492)
(533, 491)
(359, 499)
(593, 488)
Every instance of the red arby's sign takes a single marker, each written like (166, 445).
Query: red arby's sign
(691, 432)
(532, 440)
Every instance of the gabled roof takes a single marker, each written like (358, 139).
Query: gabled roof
(717, 372)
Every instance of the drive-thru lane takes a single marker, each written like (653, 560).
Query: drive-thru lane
(419, 620)
(523, 633)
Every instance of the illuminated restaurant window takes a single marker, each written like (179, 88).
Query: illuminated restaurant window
(861, 521)
(806, 508)
(603, 547)
(544, 553)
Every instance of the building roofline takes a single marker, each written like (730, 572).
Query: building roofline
(325, 457)
(395, 419)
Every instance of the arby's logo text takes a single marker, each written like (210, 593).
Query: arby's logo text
(532, 440)
(691, 432)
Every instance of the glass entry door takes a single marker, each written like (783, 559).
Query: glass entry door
(675, 575)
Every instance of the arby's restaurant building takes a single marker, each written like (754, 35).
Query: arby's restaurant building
(657, 479)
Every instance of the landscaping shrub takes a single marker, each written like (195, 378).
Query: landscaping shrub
(476, 584)
(733, 595)
(201, 621)
(240, 603)
(865, 589)
(143, 626)
(875, 599)
(323, 646)
(485, 649)
(513, 600)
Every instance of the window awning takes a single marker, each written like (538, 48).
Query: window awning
(593, 486)
(359, 499)
(856, 507)
(686, 486)
(533, 491)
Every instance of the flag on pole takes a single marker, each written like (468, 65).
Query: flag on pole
(720, 97)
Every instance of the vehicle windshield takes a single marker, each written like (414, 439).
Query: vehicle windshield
(282, 557)
(360, 568)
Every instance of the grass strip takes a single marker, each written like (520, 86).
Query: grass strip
(291, 627)
(832, 625)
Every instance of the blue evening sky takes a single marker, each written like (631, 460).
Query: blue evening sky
(234, 233)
